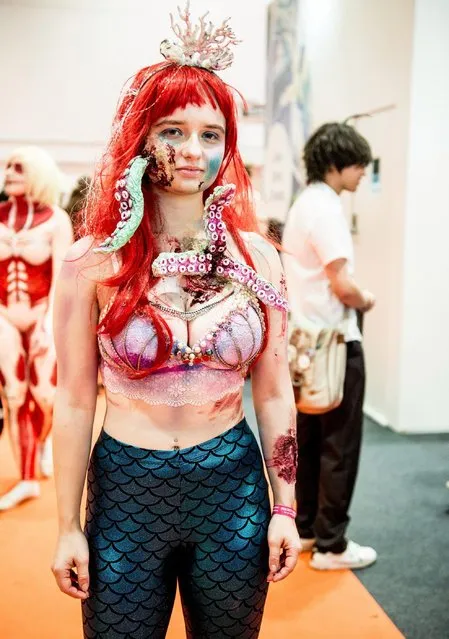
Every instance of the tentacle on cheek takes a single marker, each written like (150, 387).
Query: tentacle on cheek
(161, 163)
(285, 456)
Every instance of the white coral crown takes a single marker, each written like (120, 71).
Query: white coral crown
(201, 45)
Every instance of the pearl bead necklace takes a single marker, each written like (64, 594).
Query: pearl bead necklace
(203, 350)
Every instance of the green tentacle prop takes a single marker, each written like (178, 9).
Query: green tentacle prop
(130, 198)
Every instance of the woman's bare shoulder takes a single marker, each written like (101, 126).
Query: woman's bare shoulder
(263, 253)
(82, 259)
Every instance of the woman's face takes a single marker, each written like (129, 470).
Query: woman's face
(15, 183)
(186, 149)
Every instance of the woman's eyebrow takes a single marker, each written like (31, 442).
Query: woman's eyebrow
(183, 123)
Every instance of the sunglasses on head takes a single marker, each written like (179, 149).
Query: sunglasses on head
(16, 166)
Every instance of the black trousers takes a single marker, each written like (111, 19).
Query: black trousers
(328, 459)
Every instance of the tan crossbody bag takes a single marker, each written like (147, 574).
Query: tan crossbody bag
(317, 360)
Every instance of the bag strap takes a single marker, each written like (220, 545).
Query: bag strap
(344, 324)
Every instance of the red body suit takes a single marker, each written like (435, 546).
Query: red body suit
(28, 380)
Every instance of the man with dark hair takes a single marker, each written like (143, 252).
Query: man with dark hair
(319, 264)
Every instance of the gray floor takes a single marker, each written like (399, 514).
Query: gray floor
(401, 507)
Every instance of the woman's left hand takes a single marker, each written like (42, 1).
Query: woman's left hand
(284, 545)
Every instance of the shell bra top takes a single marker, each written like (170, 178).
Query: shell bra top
(217, 363)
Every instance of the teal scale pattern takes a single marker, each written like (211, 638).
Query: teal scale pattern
(195, 517)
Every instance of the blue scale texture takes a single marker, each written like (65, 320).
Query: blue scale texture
(196, 517)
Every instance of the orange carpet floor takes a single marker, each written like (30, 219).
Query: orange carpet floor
(308, 605)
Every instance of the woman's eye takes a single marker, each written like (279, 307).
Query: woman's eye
(171, 133)
(210, 136)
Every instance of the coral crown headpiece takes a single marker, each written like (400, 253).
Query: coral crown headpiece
(201, 45)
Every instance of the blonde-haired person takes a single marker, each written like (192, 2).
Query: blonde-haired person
(35, 234)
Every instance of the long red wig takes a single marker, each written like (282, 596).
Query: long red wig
(153, 93)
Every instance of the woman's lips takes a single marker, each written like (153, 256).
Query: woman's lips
(190, 172)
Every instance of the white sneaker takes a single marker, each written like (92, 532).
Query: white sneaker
(307, 544)
(352, 558)
(46, 458)
(26, 489)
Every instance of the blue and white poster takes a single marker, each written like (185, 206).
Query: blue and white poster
(288, 118)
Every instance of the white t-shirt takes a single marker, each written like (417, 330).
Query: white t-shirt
(316, 234)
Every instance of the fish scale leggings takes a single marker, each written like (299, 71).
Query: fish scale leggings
(196, 517)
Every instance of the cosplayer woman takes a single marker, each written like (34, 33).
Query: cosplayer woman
(181, 300)
(35, 234)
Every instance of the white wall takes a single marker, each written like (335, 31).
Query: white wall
(364, 55)
(359, 56)
(424, 356)
(63, 63)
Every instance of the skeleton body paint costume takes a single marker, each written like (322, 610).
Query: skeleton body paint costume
(29, 232)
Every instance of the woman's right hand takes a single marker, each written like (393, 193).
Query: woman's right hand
(71, 564)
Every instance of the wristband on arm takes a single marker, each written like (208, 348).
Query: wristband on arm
(284, 510)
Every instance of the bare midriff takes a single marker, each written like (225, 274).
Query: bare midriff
(162, 427)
